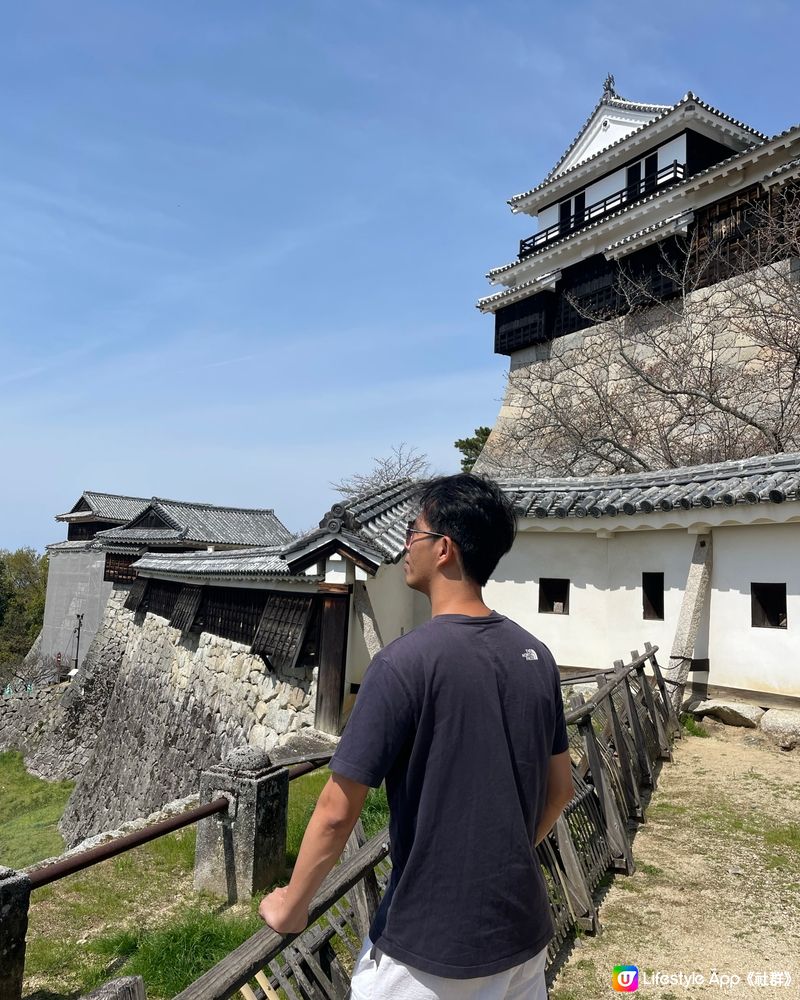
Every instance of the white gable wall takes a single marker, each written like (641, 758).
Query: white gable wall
(607, 126)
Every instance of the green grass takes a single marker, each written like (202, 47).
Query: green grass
(170, 958)
(29, 813)
(692, 726)
(139, 915)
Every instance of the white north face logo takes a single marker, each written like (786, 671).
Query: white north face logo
(530, 654)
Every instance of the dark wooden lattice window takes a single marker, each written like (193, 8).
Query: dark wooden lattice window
(85, 530)
(118, 568)
(283, 628)
(231, 613)
(161, 597)
(553, 597)
(653, 596)
(136, 594)
(186, 608)
(768, 605)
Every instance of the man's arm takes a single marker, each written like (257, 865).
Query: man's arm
(338, 807)
(560, 790)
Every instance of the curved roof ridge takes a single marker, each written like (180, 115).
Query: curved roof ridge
(667, 109)
(211, 506)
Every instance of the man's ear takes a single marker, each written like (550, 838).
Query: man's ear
(449, 553)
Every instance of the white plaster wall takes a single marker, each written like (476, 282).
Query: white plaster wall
(629, 555)
(605, 620)
(396, 612)
(580, 638)
(75, 586)
(606, 186)
(757, 659)
(548, 217)
(675, 149)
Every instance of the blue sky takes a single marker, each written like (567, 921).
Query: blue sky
(241, 243)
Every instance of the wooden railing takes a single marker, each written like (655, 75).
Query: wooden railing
(668, 175)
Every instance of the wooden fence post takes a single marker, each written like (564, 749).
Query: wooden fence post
(630, 784)
(636, 730)
(655, 715)
(129, 988)
(617, 834)
(578, 892)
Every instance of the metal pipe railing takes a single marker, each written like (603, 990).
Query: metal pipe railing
(46, 874)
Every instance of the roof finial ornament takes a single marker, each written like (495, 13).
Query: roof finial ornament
(609, 86)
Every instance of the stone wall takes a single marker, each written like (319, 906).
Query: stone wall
(68, 743)
(180, 702)
(563, 397)
(25, 719)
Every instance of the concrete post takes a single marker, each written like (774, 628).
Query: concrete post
(244, 850)
(696, 594)
(15, 895)
(129, 988)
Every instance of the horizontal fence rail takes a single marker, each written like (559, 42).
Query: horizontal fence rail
(48, 873)
(618, 738)
(94, 855)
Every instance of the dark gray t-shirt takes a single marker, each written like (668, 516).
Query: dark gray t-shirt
(460, 717)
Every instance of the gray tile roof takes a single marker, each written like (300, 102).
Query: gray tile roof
(769, 479)
(106, 506)
(370, 527)
(200, 523)
(256, 563)
(379, 519)
(74, 546)
(663, 111)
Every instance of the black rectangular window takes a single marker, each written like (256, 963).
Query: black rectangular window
(653, 596)
(553, 597)
(650, 172)
(633, 180)
(580, 209)
(768, 605)
(564, 216)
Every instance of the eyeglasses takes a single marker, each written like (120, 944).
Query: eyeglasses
(411, 531)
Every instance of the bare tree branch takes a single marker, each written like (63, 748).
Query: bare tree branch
(403, 462)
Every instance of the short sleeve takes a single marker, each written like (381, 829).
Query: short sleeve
(560, 738)
(381, 724)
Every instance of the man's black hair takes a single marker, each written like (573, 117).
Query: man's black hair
(474, 512)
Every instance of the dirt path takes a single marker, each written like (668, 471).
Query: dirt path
(717, 885)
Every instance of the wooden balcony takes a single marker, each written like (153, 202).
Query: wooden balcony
(671, 174)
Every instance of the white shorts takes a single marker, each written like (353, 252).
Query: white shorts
(376, 976)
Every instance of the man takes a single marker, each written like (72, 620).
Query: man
(463, 719)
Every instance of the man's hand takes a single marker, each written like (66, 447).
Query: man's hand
(277, 911)
(335, 815)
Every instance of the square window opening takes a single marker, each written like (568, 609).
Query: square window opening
(553, 596)
(653, 597)
(768, 605)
